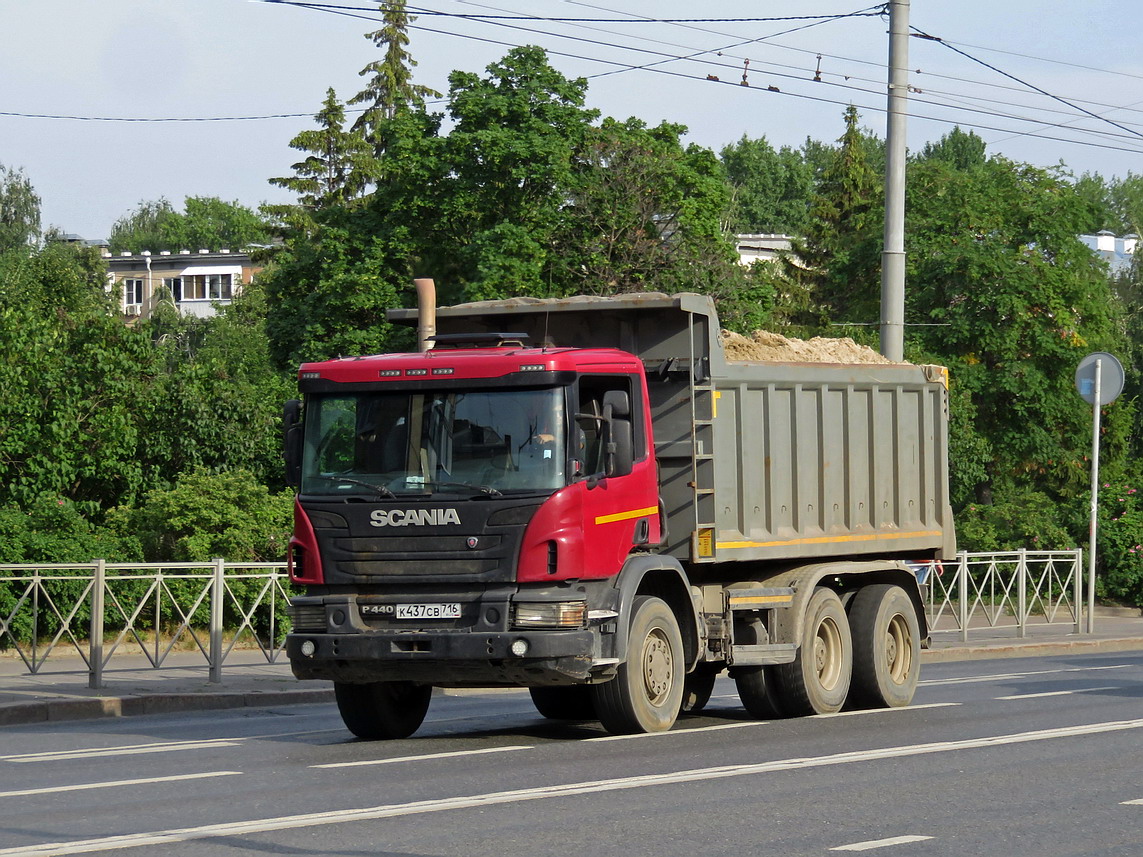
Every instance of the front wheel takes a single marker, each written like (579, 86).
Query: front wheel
(817, 681)
(647, 691)
(886, 647)
(382, 710)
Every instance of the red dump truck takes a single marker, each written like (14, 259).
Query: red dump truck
(586, 498)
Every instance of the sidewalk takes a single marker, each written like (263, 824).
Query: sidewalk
(133, 687)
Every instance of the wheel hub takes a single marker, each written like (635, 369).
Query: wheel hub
(658, 666)
(898, 653)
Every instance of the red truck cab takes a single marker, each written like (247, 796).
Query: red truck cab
(461, 511)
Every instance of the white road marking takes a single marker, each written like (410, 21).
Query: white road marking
(1058, 693)
(449, 755)
(684, 731)
(126, 750)
(973, 679)
(115, 784)
(880, 843)
(884, 710)
(290, 822)
(1133, 802)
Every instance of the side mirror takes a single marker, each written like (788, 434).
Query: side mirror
(292, 441)
(619, 439)
(620, 447)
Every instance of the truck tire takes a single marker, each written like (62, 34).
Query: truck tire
(382, 710)
(817, 680)
(647, 691)
(756, 690)
(886, 647)
(697, 688)
(564, 703)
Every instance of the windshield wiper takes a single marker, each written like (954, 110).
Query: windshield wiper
(468, 486)
(380, 490)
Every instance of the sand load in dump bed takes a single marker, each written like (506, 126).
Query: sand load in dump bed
(764, 346)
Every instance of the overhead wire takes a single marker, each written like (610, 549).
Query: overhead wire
(1031, 86)
(796, 73)
(623, 67)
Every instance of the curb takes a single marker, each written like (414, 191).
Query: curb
(55, 710)
(1029, 650)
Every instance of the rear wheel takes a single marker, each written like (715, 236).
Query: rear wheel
(697, 688)
(756, 689)
(817, 681)
(382, 710)
(886, 647)
(647, 691)
(564, 703)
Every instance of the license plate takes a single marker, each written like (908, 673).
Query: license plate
(449, 610)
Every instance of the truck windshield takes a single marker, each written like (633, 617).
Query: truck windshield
(390, 443)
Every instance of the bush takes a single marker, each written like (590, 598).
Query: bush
(52, 530)
(209, 515)
(1120, 543)
(1017, 518)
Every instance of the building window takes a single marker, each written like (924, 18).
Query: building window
(174, 287)
(204, 287)
(132, 292)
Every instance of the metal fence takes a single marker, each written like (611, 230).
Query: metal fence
(1013, 590)
(98, 609)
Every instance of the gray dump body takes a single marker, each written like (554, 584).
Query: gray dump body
(762, 462)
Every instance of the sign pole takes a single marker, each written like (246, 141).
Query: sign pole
(1099, 380)
(1094, 521)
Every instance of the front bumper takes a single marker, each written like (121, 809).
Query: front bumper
(445, 658)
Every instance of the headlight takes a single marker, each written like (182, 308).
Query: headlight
(548, 614)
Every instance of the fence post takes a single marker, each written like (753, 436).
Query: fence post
(36, 584)
(1077, 570)
(217, 593)
(95, 643)
(1022, 593)
(962, 590)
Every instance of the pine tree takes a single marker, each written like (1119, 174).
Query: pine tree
(338, 165)
(389, 88)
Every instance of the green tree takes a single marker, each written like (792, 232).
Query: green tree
(73, 377)
(328, 293)
(833, 272)
(19, 210)
(1126, 199)
(389, 87)
(772, 188)
(995, 261)
(216, 400)
(524, 196)
(961, 150)
(335, 170)
(207, 223)
(644, 212)
(508, 162)
(1093, 189)
(143, 228)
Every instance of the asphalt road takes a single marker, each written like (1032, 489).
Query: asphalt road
(1035, 756)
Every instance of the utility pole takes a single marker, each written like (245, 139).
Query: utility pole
(893, 252)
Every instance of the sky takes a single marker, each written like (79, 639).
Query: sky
(1042, 82)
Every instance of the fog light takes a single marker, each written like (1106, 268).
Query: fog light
(308, 648)
(548, 614)
(519, 648)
